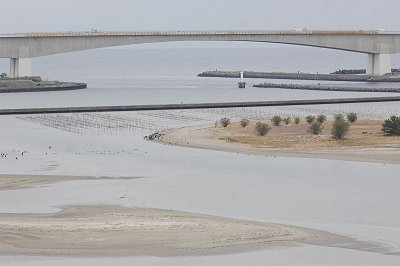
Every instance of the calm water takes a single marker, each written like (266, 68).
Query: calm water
(356, 199)
(143, 76)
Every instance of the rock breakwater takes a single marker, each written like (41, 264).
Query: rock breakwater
(300, 76)
(319, 87)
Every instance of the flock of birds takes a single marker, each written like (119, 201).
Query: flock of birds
(18, 154)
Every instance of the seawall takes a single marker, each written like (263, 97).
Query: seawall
(133, 108)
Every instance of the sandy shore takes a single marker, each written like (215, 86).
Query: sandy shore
(206, 137)
(9, 182)
(118, 231)
(111, 231)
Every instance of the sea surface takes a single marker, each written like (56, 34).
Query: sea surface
(168, 75)
(350, 198)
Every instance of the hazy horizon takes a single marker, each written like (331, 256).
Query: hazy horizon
(120, 15)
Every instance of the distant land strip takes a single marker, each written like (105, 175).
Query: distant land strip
(62, 87)
(319, 87)
(300, 76)
(133, 108)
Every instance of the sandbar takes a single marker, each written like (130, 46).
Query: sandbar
(12, 182)
(118, 231)
(364, 144)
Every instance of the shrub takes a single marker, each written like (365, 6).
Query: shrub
(287, 120)
(315, 128)
(340, 127)
(276, 120)
(352, 117)
(297, 120)
(338, 116)
(310, 119)
(225, 121)
(244, 122)
(391, 126)
(262, 129)
(321, 119)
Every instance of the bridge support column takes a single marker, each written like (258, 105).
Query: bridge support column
(379, 64)
(20, 67)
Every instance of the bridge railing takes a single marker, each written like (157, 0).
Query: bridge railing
(191, 33)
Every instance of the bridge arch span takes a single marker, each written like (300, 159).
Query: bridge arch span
(377, 45)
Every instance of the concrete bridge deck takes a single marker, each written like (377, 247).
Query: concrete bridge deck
(377, 44)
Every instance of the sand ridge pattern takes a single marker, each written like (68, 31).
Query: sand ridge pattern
(13, 182)
(110, 230)
(118, 231)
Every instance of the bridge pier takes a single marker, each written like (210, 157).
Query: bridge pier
(20, 67)
(379, 64)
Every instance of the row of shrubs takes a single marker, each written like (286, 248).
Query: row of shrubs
(261, 128)
(340, 126)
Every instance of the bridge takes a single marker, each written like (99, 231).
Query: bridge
(20, 48)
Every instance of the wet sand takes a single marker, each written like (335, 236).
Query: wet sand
(11, 182)
(117, 231)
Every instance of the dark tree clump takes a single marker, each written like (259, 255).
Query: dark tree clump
(340, 127)
(262, 129)
(276, 120)
(225, 121)
(391, 126)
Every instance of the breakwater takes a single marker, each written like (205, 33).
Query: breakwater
(133, 108)
(41, 87)
(319, 87)
(360, 71)
(301, 76)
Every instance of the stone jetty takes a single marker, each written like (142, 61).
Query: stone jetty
(319, 87)
(300, 76)
(36, 84)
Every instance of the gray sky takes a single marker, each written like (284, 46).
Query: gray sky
(81, 15)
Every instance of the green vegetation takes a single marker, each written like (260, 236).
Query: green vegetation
(352, 117)
(339, 127)
(244, 122)
(310, 119)
(225, 121)
(391, 126)
(287, 120)
(338, 116)
(321, 119)
(262, 129)
(315, 128)
(276, 120)
(297, 120)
